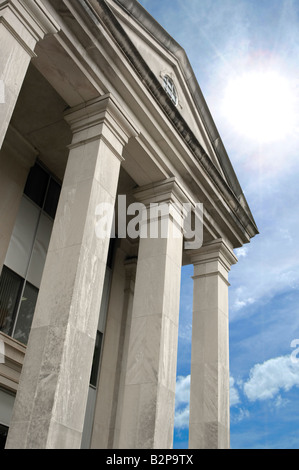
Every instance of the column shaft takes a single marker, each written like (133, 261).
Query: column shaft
(149, 392)
(209, 389)
(51, 401)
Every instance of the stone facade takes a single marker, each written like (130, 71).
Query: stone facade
(102, 116)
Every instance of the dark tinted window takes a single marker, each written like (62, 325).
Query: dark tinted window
(10, 291)
(96, 359)
(37, 184)
(26, 312)
(3, 435)
(52, 198)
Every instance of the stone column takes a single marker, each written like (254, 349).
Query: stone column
(22, 24)
(50, 404)
(104, 424)
(130, 274)
(149, 390)
(209, 389)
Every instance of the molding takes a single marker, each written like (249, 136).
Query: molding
(28, 21)
(98, 112)
(204, 276)
(168, 190)
(217, 250)
(41, 16)
(10, 370)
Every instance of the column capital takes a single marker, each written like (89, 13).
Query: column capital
(165, 200)
(102, 117)
(28, 21)
(166, 191)
(217, 250)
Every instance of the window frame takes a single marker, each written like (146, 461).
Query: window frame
(42, 212)
(170, 88)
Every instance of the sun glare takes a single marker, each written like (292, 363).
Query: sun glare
(260, 106)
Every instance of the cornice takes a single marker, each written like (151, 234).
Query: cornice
(28, 21)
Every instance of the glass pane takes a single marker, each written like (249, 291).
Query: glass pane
(40, 250)
(20, 246)
(3, 436)
(10, 291)
(105, 300)
(170, 88)
(26, 312)
(52, 198)
(7, 400)
(96, 359)
(36, 185)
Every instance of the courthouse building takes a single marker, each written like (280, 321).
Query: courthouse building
(98, 102)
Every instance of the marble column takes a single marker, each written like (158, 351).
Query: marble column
(109, 395)
(22, 24)
(149, 390)
(130, 276)
(209, 388)
(51, 401)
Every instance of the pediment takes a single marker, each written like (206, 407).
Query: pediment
(152, 43)
(162, 55)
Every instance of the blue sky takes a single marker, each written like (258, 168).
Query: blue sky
(233, 44)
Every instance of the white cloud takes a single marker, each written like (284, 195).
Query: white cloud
(238, 304)
(242, 252)
(280, 402)
(262, 276)
(182, 390)
(234, 397)
(239, 415)
(181, 419)
(241, 298)
(267, 379)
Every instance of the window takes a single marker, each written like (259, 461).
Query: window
(170, 89)
(3, 436)
(42, 189)
(25, 314)
(10, 292)
(23, 267)
(96, 359)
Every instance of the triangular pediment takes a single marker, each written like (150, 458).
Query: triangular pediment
(153, 42)
(164, 56)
